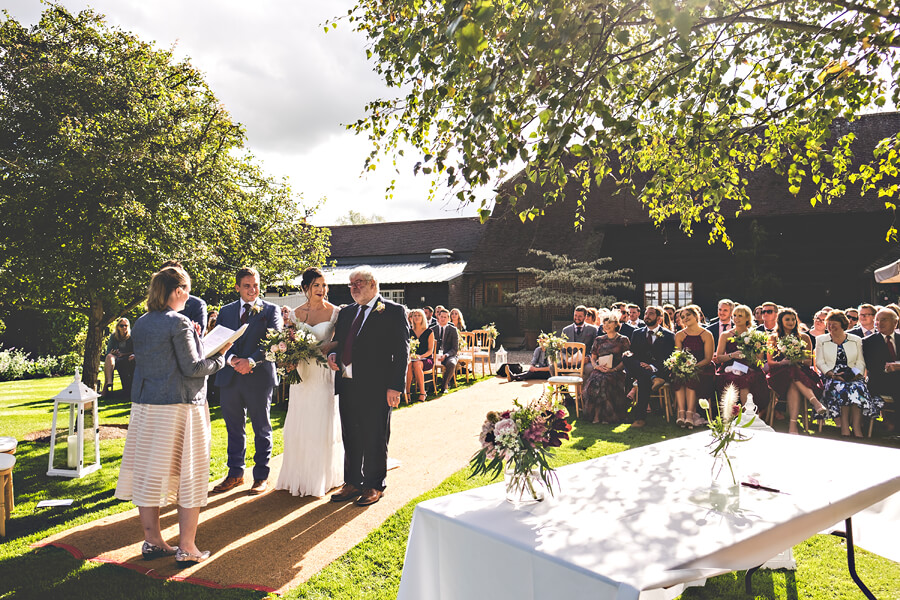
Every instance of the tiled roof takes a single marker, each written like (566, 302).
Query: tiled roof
(406, 237)
(506, 240)
(418, 272)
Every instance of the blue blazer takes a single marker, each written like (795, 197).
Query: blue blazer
(169, 363)
(195, 310)
(247, 346)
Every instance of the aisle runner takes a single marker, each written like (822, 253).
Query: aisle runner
(276, 541)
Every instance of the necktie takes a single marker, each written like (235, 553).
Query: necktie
(578, 330)
(868, 333)
(246, 314)
(649, 337)
(347, 352)
(890, 346)
(442, 337)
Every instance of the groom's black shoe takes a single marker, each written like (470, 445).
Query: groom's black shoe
(347, 492)
(369, 496)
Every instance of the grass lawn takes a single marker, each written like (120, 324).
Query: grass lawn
(372, 569)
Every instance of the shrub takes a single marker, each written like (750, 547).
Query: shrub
(15, 364)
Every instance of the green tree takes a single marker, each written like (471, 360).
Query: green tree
(115, 157)
(677, 100)
(568, 282)
(357, 218)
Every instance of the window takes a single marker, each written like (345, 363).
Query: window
(495, 291)
(676, 293)
(393, 295)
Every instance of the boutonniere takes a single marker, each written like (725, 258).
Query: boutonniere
(379, 306)
(659, 333)
(255, 309)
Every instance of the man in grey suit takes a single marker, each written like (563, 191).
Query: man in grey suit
(446, 346)
(579, 331)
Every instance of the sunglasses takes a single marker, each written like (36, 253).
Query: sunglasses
(853, 318)
(768, 312)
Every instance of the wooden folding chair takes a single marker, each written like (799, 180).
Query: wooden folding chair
(466, 354)
(431, 372)
(666, 402)
(804, 412)
(482, 349)
(569, 371)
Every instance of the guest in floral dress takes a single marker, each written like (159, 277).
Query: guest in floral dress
(753, 381)
(839, 357)
(604, 391)
(699, 342)
(794, 382)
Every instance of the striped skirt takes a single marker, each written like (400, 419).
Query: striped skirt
(166, 456)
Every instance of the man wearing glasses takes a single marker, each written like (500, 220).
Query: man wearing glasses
(866, 326)
(769, 317)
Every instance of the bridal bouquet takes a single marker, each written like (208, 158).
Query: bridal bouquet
(793, 349)
(551, 345)
(287, 348)
(753, 345)
(519, 440)
(413, 346)
(726, 428)
(682, 365)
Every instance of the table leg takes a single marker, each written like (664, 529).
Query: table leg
(851, 561)
(747, 578)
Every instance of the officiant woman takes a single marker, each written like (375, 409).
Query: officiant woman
(166, 456)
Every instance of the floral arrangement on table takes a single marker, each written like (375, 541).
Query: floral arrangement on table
(793, 349)
(519, 441)
(753, 345)
(552, 344)
(287, 348)
(682, 365)
(492, 332)
(726, 428)
(413, 346)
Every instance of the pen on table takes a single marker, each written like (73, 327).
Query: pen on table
(757, 486)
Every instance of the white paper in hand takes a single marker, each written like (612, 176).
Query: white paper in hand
(218, 337)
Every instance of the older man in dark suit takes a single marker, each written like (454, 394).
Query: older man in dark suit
(881, 355)
(651, 345)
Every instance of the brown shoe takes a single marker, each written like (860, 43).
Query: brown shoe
(260, 486)
(347, 492)
(228, 484)
(369, 497)
(639, 423)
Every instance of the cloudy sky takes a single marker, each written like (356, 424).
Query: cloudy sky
(290, 84)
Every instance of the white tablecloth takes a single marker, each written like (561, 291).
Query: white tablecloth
(640, 520)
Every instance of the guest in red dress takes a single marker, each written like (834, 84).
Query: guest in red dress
(731, 362)
(699, 342)
(794, 381)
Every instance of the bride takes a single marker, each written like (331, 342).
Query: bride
(313, 453)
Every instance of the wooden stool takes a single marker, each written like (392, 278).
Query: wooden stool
(664, 395)
(7, 462)
(8, 445)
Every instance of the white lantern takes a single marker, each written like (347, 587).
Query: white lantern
(500, 356)
(76, 396)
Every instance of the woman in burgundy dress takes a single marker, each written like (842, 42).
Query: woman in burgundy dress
(794, 381)
(699, 342)
(729, 361)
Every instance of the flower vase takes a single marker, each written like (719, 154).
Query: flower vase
(725, 482)
(523, 487)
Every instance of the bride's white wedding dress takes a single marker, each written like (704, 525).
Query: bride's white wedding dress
(313, 460)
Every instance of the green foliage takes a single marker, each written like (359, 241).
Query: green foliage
(16, 364)
(677, 102)
(114, 158)
(569, 282)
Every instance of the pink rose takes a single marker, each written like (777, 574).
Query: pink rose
(282, 346)
(273, 348)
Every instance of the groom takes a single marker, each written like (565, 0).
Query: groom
(372, 352)
(247, 381)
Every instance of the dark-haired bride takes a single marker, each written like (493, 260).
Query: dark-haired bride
(313, 461)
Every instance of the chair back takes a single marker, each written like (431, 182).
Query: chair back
(466, 341)
(483, 340)
(570, 360)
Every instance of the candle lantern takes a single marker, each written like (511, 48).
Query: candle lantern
(76, 395)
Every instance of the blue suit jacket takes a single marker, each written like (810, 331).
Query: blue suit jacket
(195, 310)
(247, 346)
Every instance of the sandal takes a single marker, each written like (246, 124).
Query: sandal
(689, 419)
(820, 409)
(680, 420)
(422, 396)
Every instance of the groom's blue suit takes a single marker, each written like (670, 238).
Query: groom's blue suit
(251, 394)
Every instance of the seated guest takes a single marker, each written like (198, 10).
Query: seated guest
(852, 316)
(840, 359)
(429, 316)
(669, 309)
(579, 331)
(894, 307)
(757, 314)
(722, 322)
(880, 352)
(538, 369)
(119, 357)
(446, 346)
(818, 327)
(423, 359)
(699, 342)
(792, 381)
(743, 372)
(667, 321)
(634, 316)
(457, 320)
(211, 319)
(866, 325)
(590, 317)
(650, 346)
(678, 324)
(604, 390)
(769, 314)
